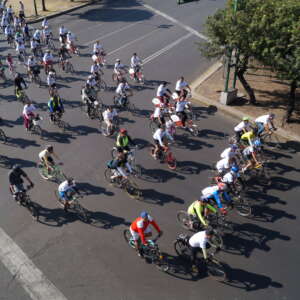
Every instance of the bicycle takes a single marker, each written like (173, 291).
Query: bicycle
(101, 84)
(139, 76)
(34, 126)
(24, 199)
(165, 156)
(92, 108)
(113, 129)
(122, 102)
(213, 267)
(127, 184)
(35, 77)
(190, 126)
(56, 119)
(50, 44)
(3, 137)
(55, 174)
(68, 66)
(150, 251)
(241, 205)
(74, 204)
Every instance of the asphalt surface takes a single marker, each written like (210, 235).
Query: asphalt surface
(93, 261)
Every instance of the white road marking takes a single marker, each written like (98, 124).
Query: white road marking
(112, 33)
(23, 269)
(186, 27)
(133, 41)
(165, 49)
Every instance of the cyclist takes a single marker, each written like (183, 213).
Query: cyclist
(55, 106)
(63, 53)
(48, 61)
(135, 63)
(163, 93)
(28, 114)
(66, 190)
(97, 48)
(9, 33)
(124, 140)
(45, 23)
(180, 107)
(198, 241)
(108, 116)
(32, 66)
(88, 93)
(230, 153)
(16, 181)
(47, 34)
(34, 45)
(62, 34)
(158, 114)
(119, 69)
(250, 156)
(120, 162)
(223, 165)
(182, 88)
(140, 230)
(96, 70)
(158, 137)
(265, 123)
(37, 36)
(46, 159)
(123, 91)
(71, 41)
(91, 81)
(214, 192)
(242, 127)
(20, 49)
(200, 209)
(51, 81)
(231, 177)
(19, 83)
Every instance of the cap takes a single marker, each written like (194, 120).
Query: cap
(144, 214)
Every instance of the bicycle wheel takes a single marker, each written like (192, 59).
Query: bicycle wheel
(242, 207)
(81, 212)
(58, 175)
(108, 173)
(171, 161)
(62, 125)
(161, 262)
(133, 190)
(181, 249)
(114, 152)
(43, 172)
(37, 130)
(194, 130)
(128, 238)
(184, 219)
(102, 85)
(83, 106)
(33, 210)
(215, 270)
(216, 240)
(3, 137)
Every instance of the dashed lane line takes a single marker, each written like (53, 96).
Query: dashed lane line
(23, 270)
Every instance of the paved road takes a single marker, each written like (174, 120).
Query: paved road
(92, 261)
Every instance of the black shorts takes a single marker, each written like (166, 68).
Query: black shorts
(247, 157)
(156, 142)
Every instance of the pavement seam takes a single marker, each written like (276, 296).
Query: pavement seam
(234, 112)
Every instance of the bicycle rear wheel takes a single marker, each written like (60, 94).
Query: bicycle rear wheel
(102, 85)
(184, 219)
(215, 270)
(161, 262)
(108, 173)
(3, 137)
(128, 238)
(133, 190)
(43, 172)
(181, 249)
(171, 161)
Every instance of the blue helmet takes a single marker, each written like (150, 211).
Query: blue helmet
(257, 143)
(144, 214)
(235, 169)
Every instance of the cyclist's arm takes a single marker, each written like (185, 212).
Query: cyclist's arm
(204, 253)
(199, 214)
(254, 157)
(154, 224)
(142, 235)
(211, 208)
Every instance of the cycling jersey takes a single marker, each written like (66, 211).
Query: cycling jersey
(160, 134)
(135, 61)
(161, 91)
(15, 177)
(122, 87)
(248, 151)
(223, 164)
(242, 125)
(95, 68)
(33, 44)
(118, 67)
(139, 226)
(124, 141)
(197, 209)
(47, 57)
(31, 62)
(28, 109)
(213, 192)
(228, 153)
(109, 115)
(97, 48)
(248, 137)
(55, 104)
(180, 105)
(180, 85)
(265, 119)
(198, 240)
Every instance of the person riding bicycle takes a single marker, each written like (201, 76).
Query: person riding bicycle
(63, 54)
(32, 66)
(265, 123)
(51, 80)
(55, 106)
(48, 61)
(242, 128)
(121, 164)
(9, 32)
(230, 153)
(223, 165)
(198, 241)
(96, 70)
(20, 49)
(214, 192)
(200, 209)
(249, 155)
(182, 88)
(45, 23)
(158, 137)
(231, 177)
(16, 181)
(37, 36)
(124, 140)
(66, 190)
(47, 34)
(19, 38)
(9, 61)
(140, 230)
(91, 81)
(46, 159)
(28, 114)
(158, 114)
(97, 48)
(123, 91)
(109, 115)
(62, 34)
(34, 46)
(163, 93)
(71, 38)
(20, 84)
(180, 111)
(119, 69)
(136, 64)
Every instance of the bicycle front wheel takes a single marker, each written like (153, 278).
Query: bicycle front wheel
(128, 238)
(43, 172)
(243, 207)
(215, 270)
(3, 137)
(81, 212)
(161, 262)
(184, 219)
(181, 249)
(108, 174)
(133, 190)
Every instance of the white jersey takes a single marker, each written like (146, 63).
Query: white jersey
(222, 164)
(45, 23)
(228, 178)
(157, 112)
(159, 134)
(135, 61)
(64, 186)
(265, 119)
(50, 80)
(62, 30)
(91, 82)
(122, 87)
(28, 109)
(20, 47)
(242, 125)
(97, 48)
(198, 240)
(95, 68)
(180, 105)
(180, 85)
(228, 153)
(118, 67)
(8, 30)
(161, 91)
(37, 35)
(208, 192)
(33, 44)
(47, 57)
(108, 115)
(31, 62)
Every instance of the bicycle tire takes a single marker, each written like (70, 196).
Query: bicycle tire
(83, 106)
(216, 270)
(243, 208)
(41, 170)
(133, 190)
(216, 241)
(102, 85)
(107, 175)
(161, 263)
(171, 162)
(33, 210)
(181, 249)
(3, 137)
(81, 212)
(194, 131)
(127, 237)
(183, 219)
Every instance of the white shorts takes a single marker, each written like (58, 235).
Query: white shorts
(136, 236)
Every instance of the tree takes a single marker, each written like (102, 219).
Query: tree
(43, 5)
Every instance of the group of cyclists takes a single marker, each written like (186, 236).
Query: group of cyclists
(237, 158)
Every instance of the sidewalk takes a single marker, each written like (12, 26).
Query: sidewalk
(271, 96)
(52, 6)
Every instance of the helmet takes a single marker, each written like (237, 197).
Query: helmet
(16, 167)
(233, 146)
(47, 51)
(71, 181)
(209, 231)
(118, 60)
(164, 83)
(221, 186)
(144, 214)
(123, 130)
(134, 54)
(49, 148)
(120, 149)
(203, 198)
(234, 169)
(257, 143)
(91, 77)
(246, 118)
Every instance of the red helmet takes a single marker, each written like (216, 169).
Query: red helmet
(123, 130)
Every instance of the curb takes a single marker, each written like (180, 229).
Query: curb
(232, 111)
(62, 12)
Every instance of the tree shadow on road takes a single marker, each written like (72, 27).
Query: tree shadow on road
(90, 189)
(191, 167)
(187, 141)
(163, 175)
(155, 197)
(7, 162)
(105, 220)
